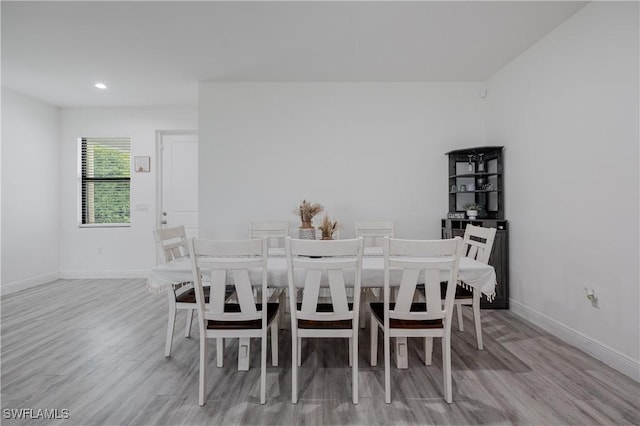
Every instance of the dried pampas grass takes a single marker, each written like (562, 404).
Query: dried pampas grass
(307, 211)
(328, 227)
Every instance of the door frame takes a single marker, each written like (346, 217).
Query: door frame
(160, 134)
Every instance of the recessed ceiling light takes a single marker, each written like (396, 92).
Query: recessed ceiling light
(100, 86)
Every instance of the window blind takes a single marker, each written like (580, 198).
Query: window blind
(106, 180)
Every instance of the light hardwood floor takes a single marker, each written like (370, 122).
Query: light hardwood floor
(95, 348)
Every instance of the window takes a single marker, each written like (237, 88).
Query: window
(105, 175)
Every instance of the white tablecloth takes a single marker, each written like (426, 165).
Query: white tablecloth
(473, 274)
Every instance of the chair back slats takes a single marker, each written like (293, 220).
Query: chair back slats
(421, 261)
(338, 291)
(311, 290)
(478, 242)
(374, 232)
(432, 291)
(221, 260)
(313, 263)
(244, 291)
(407, 290)
(274, 231)
(218, 279)
(171, 243)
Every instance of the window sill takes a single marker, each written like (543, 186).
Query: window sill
(104, 225)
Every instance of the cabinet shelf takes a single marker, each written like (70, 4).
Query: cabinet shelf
(476, 177)
(479, 191)
(471, 175)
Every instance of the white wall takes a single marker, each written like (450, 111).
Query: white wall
(567, 112)
(365, 151)
(113, 252)
(30, 192)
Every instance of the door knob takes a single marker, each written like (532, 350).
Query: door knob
(164, 222)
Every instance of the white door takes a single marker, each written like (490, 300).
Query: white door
(178, 152)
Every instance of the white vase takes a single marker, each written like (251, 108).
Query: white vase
(307, 233)
(472, 214)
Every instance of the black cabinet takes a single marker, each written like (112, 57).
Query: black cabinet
(476, 178)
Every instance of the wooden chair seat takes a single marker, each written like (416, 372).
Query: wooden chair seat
(461, 292)
(189, 296)
(272, 311)
(377, 309)
(325, 307)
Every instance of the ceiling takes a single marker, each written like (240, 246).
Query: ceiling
(154, 53)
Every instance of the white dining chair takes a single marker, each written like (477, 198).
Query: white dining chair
(373, 233)
(222, 261)
(171, 244)
(312, 264)
(478, 243)
(275, 232)
(413, 262)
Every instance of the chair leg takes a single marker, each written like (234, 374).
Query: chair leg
(446, 369)
(387, 368)
(294, 369)
(428, 350)
(282, 300)
(350, 351)
(274, 343)
(187, 331)
(354, 371)
(476, 318)
(363, 303)
(299, 351)
(263, 365)
(203, 369)
(373, 323)
(219, 351)
(171, 323)
(459, 312)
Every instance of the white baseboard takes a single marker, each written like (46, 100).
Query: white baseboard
(73, 275)
(9, 288)
(598, 350)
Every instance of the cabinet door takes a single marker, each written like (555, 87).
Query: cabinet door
(500, 261)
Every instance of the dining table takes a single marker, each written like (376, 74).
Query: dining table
(476, 276)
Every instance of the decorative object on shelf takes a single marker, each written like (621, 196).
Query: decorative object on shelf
(307, 211)
(480, 162)
(454, 188)
(455, 215)
(463, 188)
(472, 210)
(328, 227)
